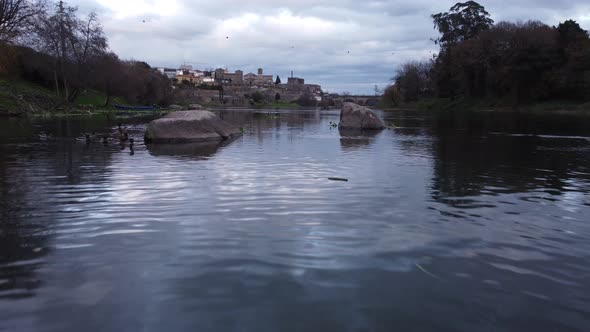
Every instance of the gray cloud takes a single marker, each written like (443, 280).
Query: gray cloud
(340, 44)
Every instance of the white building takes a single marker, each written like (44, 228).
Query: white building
(168, 72)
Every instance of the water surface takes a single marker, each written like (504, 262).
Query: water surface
(447, 223)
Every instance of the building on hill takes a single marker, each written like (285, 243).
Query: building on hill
(222, 76)
(236, 85)
(185, 76)
(197, 73)
(296, 87)
(234, 78)
(264, 79)
(295, 81)
(298, 84)
(168, 72)
(249, 78)
(258, 79)
(208, 80)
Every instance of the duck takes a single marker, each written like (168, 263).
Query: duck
(43, 136)
(131, 151)
(121, 134)
(89, 138)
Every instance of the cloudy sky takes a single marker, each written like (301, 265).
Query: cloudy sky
(344, 45)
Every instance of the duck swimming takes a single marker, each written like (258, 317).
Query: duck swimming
(43, 136)
(89, 138)
(131, 151)
(121, 133)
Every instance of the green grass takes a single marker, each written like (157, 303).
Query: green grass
(21, 86)
(90, 97)
(96, 98)
(5, 102)
(11, 87)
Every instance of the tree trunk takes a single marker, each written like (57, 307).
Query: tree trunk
(66, 89)
(56, 83)
(62, 54)
(74, 95)
(107, 100)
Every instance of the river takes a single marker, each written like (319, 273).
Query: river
(448, 222)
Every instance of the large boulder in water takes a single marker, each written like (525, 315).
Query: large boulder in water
(190, 127)
(176, 107)
(353, 116)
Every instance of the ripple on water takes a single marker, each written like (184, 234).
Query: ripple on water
(427, 223)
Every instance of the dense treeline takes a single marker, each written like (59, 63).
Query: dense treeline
(51, 44)
(516, 63)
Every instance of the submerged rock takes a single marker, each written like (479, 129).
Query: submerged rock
(353, 116)
(190, 127)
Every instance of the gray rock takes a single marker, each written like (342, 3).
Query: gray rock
(195, 107)
(176, 107)
(353, 116)
(189, 127)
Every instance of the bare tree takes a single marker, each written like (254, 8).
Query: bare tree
(377, 90)
(53, 31)
(413, 79)
(109, 76)
(15, 16)
(73, 42)
(87, 42)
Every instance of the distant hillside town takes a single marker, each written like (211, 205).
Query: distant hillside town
(236, 88)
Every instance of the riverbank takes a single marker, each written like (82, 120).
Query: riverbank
(482, 105)
(278, 105)
(22, 98)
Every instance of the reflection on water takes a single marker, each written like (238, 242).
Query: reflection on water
(351, 140)
(449, 222)
(20, 242)
(196, 150)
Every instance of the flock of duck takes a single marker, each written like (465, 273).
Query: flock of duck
(120, 136)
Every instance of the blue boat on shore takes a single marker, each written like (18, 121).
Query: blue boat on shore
(134, 108)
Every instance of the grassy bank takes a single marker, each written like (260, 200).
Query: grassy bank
(97, 99)
(18, 97)
(23, 97)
